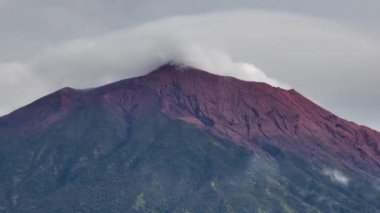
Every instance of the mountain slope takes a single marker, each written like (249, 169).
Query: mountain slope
(183, 140)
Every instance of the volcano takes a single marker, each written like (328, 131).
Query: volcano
(180, 139)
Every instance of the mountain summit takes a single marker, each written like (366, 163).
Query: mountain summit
(180, 139)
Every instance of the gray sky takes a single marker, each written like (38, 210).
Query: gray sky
(329, 50)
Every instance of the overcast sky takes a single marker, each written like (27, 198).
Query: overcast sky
(329, 50)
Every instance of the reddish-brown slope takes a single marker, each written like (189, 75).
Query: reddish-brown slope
(250, 113)
(247, 113)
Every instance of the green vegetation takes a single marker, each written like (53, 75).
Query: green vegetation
(95, 162)
(139, 203)
(213, 185)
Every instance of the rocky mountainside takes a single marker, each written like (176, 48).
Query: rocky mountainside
(184, 140)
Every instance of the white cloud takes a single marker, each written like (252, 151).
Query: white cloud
(299, 50)
(124, 55)
(336, 176)
(221, 63)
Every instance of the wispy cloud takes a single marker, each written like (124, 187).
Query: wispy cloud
(226, 43)
(336, 176)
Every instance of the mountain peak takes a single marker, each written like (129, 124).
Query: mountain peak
(209, 136)
(244, 112)
(169, 67)
(174, 70)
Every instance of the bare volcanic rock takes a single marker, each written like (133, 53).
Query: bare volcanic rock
(247, 113)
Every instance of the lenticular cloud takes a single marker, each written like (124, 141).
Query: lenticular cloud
(224, 43)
